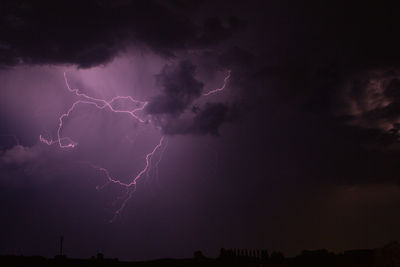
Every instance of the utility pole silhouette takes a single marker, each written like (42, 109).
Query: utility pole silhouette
(61, 245)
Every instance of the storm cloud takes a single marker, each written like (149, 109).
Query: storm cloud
(179, 89)
(174, 109)
(92, 32)
(305, 132)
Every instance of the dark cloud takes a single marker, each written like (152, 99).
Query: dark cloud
(207, 120)
(175, 110)
(316, 88)
(392, 90)
(93, 32)
(369, 100)
(214, 31)
(236, 57)
(210, 118)
(179, 89)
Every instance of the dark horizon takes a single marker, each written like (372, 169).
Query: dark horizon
(162, 127)
(259, 253)
(387, 255)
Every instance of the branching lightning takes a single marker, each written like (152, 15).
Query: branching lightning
(67, 142)
(150, 163)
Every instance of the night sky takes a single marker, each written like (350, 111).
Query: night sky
(298, 148)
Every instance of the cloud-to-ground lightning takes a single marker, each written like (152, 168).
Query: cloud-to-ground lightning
(157, 163)
(131, 186)
(84, 99)
(67, 142)
(226, 79)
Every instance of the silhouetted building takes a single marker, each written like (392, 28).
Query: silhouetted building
(277, 257)
(248, 255)
(387, 256)
(198, 255)
(100, 256)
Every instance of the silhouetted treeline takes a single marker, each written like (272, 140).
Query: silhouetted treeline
(387, 256)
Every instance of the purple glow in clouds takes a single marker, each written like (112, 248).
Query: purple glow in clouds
(135, 113)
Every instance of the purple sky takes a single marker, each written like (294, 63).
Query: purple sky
(298, 151)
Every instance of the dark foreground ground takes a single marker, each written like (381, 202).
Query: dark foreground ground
(387, 256)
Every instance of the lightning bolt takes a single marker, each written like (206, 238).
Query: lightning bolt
(157, 163)
(226, 79)
(67, 142)
(131, 186)
(160, 147)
